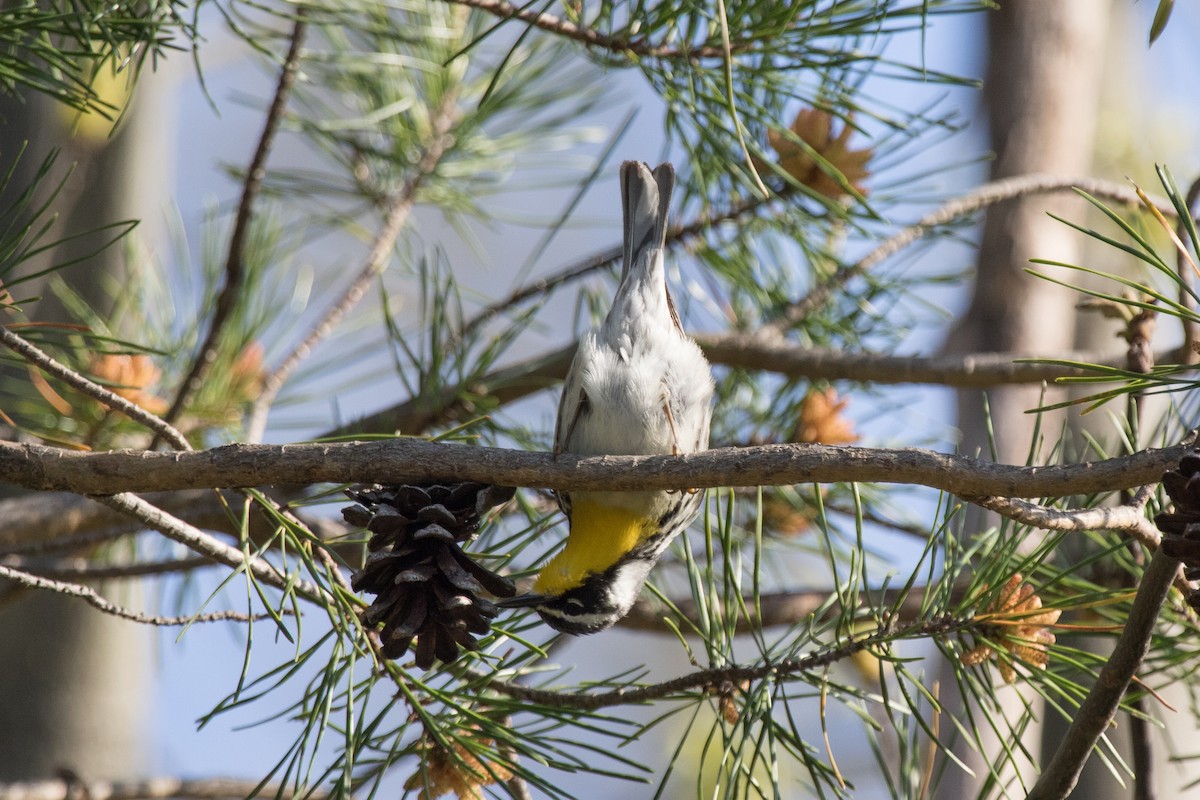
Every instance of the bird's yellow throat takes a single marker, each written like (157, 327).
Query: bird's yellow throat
(600, 534)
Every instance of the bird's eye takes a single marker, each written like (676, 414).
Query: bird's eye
(575, 603)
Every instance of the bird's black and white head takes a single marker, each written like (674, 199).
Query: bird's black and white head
(595, 604)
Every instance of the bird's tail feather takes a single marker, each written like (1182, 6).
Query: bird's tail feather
(645, 198)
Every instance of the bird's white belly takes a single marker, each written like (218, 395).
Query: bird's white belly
(625, 413)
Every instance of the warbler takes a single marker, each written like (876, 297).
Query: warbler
(637, 386)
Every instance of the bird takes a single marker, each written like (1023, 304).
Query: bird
(638, 385)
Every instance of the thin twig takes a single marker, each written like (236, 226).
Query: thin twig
(594, 38)
(677, 235)
(986, 195)
(397, 215)
(783, 608)
(200, 542)
(54, 522)
(94, 599)
(721, 676)
(153, 789)
(1096, 713)
(235, 261)
(1128, 519)
(408, 460)
(45, 362)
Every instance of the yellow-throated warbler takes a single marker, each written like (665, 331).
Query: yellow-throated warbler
(638, 386)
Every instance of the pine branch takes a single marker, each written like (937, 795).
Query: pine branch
(399, 208)
(1096, 713)
(230, 296)
(505, 385)
(986, 195)
(94, 599)
(60, 521)
(723, 676)
(200, 542)
(594, 38)
(411, 460)
(94, 390)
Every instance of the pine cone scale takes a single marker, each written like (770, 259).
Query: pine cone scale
(1181, 527)
(427, 589)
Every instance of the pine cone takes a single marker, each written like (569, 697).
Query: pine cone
(1181, 528)
(426, 587)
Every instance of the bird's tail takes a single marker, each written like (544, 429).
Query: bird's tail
(645, 197)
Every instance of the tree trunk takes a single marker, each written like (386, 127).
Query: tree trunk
(74, 683)
(1045, 64)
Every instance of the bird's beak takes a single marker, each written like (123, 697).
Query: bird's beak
(522, 601)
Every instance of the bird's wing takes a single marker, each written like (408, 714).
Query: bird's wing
(572, 406)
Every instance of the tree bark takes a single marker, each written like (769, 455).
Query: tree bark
(1045, 66)
(1042, 88)
(74, 683)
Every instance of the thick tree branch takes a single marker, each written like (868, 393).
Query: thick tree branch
(399, 460)
(743, 351)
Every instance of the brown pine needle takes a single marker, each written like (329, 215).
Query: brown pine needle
(1166, 226)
